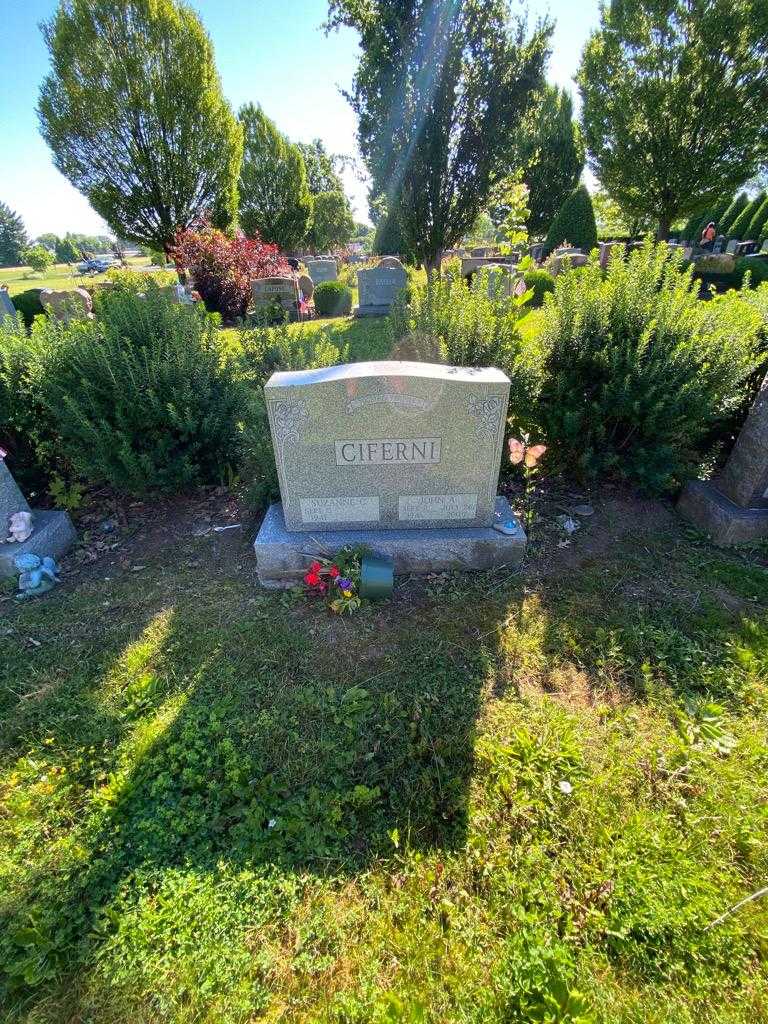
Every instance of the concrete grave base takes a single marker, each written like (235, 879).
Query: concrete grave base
(52, 534)
(726, 522)
(283, 557)
(362, 311)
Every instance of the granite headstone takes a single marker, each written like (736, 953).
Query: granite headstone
(388, 444)
(377, 289)
(269, 292)
(401, 457)
(322, 270)
(7, 307)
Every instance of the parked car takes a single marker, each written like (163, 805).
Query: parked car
(97, 265)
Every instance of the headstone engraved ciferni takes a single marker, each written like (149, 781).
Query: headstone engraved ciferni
(388, 444)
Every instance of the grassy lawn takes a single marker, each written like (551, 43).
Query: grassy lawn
(367, 338)
(482, 801)
(60, 275)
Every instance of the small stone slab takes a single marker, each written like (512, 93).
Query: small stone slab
(52, 534)
(283, 557)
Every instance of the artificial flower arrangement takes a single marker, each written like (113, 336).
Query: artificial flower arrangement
(338, 581)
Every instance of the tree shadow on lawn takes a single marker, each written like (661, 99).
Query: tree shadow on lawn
(250, 733)
(254, 732)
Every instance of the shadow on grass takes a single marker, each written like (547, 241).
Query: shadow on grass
(250, 732)
(245, 734)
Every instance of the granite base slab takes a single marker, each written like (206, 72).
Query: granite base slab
(363, 311)
(726, 522)
(282, 556)
(52, 534)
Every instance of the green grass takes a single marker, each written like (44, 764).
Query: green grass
(60, 275)
(224, 805)
(367, 338)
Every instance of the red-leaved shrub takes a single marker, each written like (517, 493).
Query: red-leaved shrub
(223, 267)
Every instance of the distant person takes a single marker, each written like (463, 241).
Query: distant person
(708, 236)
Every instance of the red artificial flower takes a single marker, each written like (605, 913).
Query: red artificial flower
(315, 567)
(312, 579)
(333, 572)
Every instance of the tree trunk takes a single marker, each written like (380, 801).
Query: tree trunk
(663, 231)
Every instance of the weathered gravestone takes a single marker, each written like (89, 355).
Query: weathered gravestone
(377, 289)
(75, 304)
(733, 506)
(52, 532)
(403, 457)
(269, 293)
(322, 270)
(606, 248)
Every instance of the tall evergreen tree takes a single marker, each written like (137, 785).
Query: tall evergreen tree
(439, 91)
(732, 212)
(740, 226)
(550, 151)
(674, 96)
(755, 226)
(13, 237)
(133, 112)
(274, 195)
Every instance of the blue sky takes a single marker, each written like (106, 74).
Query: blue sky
(269, 51)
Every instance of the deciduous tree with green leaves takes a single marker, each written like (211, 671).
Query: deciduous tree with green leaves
(38, 258)
(133, 112)
(275, 201)
(439, 92)
(674, 94)
(13, 237)
(332, 221)
(321, 169)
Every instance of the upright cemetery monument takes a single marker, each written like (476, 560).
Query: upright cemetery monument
(52, 532)
(378, 287)
(400, 457)
(733, 506)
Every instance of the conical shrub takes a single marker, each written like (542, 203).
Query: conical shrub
(574, 223)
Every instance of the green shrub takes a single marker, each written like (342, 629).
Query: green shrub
(141, 397)
(28, 304)
(468, 328)
(574, 223)
(757, 270)
(26, 432)
(638, 370)
(333, 298)
(264, 351)
(542, 282)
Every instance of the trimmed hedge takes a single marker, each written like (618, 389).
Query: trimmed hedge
(333, 298)
(574, 223)
(28, 304)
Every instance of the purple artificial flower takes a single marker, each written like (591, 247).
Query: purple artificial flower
(343, 583)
